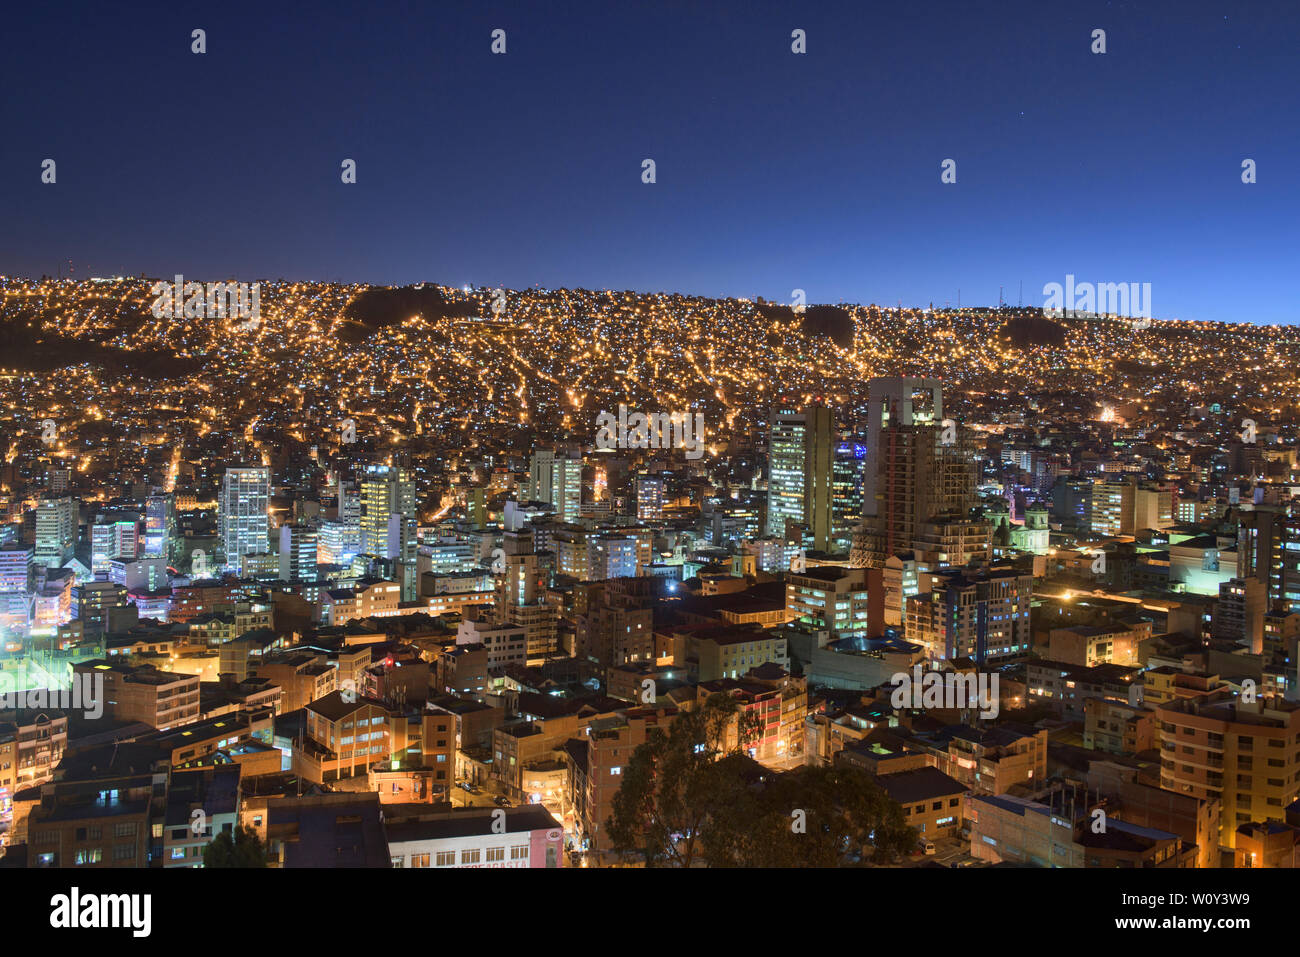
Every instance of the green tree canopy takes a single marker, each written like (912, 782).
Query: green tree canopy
(692, 795)
(672, 783)
(244, 850)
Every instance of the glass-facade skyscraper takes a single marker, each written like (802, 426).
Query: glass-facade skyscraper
(242, 512)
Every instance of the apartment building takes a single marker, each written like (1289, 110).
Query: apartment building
(201, 804)
(552, 722)
(1066, 687)
(982, 615)
(710, 652)
(952, 542)
(1118, 727)
(1195, 820)
(777, 707)
(303, 676)
(369, 599)
(143, 693)
(506, 644)
(832, 598)
(1091, 645)
(990, 760)
(1247, 754)
(31, 744)
(100, 822)
(610, 743)
(343, 738)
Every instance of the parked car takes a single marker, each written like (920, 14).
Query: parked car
(500, 801)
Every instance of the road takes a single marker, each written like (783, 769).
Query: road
(947, 851)
(462, 798)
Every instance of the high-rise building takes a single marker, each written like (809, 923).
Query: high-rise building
(1123, 507)
(556, 478)
(339, 542)
(298, 548)
(478, 507)
(59, 481)
(611, 556)
(918, 468)
(139, 574)
(649, 498)
(540, 471)
(112, 538)
(1267, 541)
(56, 531)
(980, 615)
(242, 512)
(846, 496)
(159, 524)
(772, 555)
(571, 553)
(834, 599)
(950, 541)
(520, 596)
(787, 429)
(16, 580)
(800, 483)
(734, 522)
(1153, 506)
(349, 503)
(1072, 502)
(892, 403)
(1239, 614)
(820, 442)
(614, 620)
(388, 522)
(900, 579)
(1112, 508)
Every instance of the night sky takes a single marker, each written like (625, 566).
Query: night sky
(775, 171)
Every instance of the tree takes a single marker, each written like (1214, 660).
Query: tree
(673, 783)
(810, 817)
(244, 850)
(692, 795)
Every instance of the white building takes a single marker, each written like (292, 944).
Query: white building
(526, 836)
(242, 513)
(109, 539)
(56, 531)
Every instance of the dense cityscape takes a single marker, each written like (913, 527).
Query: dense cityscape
(629, 455)
(434, 577)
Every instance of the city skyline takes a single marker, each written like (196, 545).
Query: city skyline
(775, 171)
(730, 435)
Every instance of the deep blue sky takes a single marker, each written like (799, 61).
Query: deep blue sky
(775, 171)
